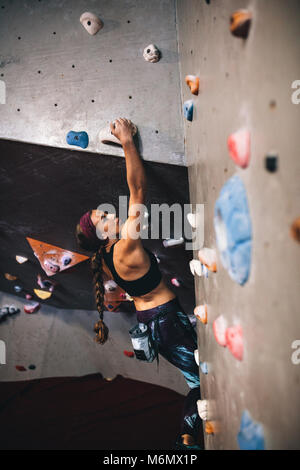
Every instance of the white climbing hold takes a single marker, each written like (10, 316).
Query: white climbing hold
(208, 257)
(196, 356)
(106, 137)
(151, 53)
(195, 267)
(91, 23)
(172, 242)
(110, 286)
(21, 259)
(202, 406)
(192, 219)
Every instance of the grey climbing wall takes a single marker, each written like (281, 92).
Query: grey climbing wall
(59, 78)
(248, 83)
(60, 343)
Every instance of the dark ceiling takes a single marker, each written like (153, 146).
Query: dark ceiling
(45, 190)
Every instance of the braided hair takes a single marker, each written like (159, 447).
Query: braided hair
(100, 328)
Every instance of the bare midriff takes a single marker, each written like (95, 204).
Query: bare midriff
(160, 295)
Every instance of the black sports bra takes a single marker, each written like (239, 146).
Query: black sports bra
(141, 286)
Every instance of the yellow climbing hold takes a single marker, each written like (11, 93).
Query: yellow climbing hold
(42, 294)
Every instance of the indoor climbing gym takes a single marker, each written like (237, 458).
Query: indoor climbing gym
(149, 229)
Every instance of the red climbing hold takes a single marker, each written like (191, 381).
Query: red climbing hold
(20, 368)
(234, 341)
(239, 147)
(129, 353)
(32, 308)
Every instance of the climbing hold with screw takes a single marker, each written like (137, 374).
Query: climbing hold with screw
(80, 139)
(151, 53)
(91, 23)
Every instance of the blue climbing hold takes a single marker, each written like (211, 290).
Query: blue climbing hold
(251, 434)
(204, 367)
(18, 289)
(233, 229)
(80, 139)
(188, 109)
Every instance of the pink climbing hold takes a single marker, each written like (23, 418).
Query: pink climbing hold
(175, 282)
(239, 147)
(29, 296)
(234, 341)
(219, 329)
(32, 308)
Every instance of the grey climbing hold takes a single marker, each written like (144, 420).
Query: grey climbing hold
(91, 23)
(80, 139)
(233, 229)
(151, 53)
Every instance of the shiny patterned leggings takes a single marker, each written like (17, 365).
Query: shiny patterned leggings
(176, 340)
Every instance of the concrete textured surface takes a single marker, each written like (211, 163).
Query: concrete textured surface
(59, 78)
(248, 83)
(60, 343)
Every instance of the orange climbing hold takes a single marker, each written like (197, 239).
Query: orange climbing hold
(295, 230)
(10, 277)
(240, 22)
(209, 427)
(208, 257)
(54, 259)
(201, 313)
(193, 82)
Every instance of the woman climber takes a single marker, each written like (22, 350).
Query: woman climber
(118, 250)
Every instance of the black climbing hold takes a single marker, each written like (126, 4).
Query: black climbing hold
(32, 367)
(271, 163)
